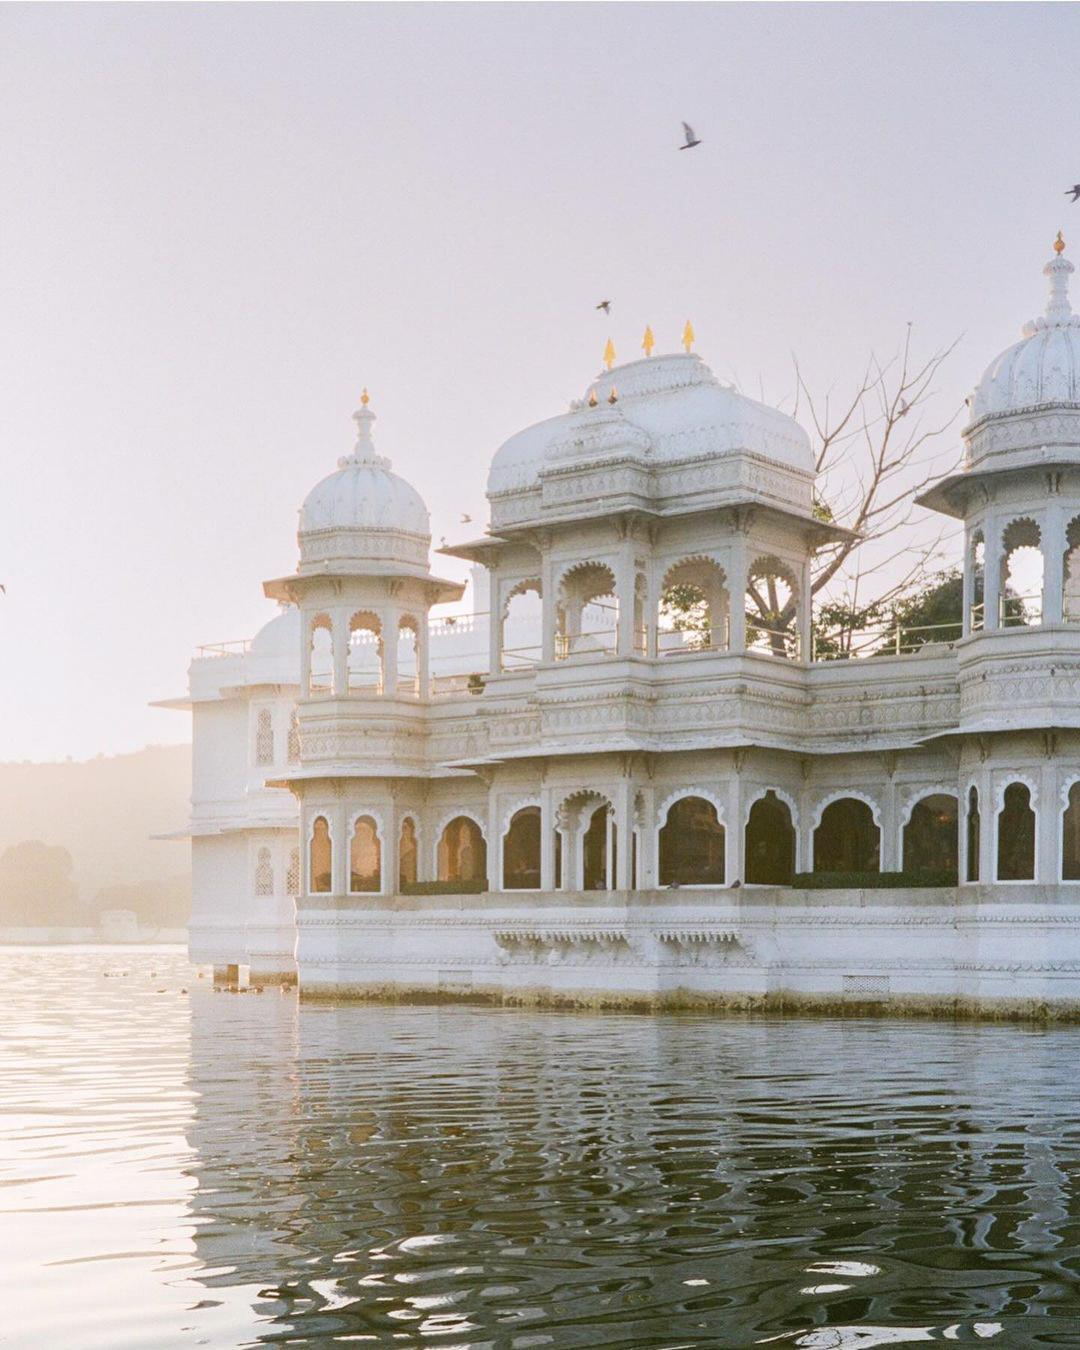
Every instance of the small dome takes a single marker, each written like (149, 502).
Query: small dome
(363, 510)
(1043, 368)
(667, 409)
(280, 636)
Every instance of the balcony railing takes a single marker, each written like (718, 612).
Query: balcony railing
(238, 647)
(779, 642)
(676, 641)
(897, 640)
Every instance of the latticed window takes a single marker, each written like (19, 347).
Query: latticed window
(264, 737)
(264, 873)
(292, 878)
(294, 737)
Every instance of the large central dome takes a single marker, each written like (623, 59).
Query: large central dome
(1043, 368)
(667, 409)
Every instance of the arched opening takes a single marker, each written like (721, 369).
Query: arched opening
(365, 857)
(691, 849)
(365, 653)
(772, 609)
(264, 873)
(408, 853)
(932, 834)
(320, 858)
(694, 608)
(1016, 835)
(264, 737)
(321, 656)
(598, 851)
(520, 648)
(847, 838)
(770, 842)
(977, 564)
(292, 876)
(462, 851)
(1021, 574)
(294, 737)
(587, 614)
(408, 656)
(1071, 578)
(1070, 836)
(974, 835)
(521, 851)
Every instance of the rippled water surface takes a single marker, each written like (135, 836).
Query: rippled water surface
(182, 1167)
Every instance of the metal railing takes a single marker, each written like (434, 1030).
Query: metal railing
(521, 658)
(779, 642)
(238, 647)
(895, 640)
(599, 641)
(685, 641)
(1015, 611)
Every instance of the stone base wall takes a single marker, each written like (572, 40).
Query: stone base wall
(1009, 951)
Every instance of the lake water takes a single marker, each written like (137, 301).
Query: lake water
(210, 1169)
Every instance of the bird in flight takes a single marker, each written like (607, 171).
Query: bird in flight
(691, 139)
(605, 305)
(1073, 192)
(466, 520)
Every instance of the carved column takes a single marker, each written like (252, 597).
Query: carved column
(735, 835)
(969, 581)
(548, 603)
(305, 654)
(389, 620)
(992, 567)
(624, 834)
(495, 624)
(340, 619)
(1048, 827)
(423, 640)
(338, 819)
(625, 584)
(494, 842)
(890, 827)
(987, 827)
(806, 612)
(547, 839)
(1053, 551)
(737, 582)
(391, 846)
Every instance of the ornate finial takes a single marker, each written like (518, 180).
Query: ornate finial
(1057, 271)
(613, 397)
(1059, 244)
(365, 397)
(688, 337)
(364, 449)
(609, 354)
(593, 400)
(648, 342)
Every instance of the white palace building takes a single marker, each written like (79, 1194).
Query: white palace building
(576, 793)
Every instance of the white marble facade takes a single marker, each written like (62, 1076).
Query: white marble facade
(563, 795)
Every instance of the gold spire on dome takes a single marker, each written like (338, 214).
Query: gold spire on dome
(609, 354)
(648, 342)
(688, 337)
(365, 397)
(1059, 244)
(593, 400)
(613, 397)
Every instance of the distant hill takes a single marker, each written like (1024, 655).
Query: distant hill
(104, 811)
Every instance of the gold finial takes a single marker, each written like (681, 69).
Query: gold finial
(688, 336)
(1059, 244)
(613, 397)
(648, 342)
(609, 354)
(593, 400)
(365, 398)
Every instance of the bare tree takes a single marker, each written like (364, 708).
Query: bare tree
(874, 454)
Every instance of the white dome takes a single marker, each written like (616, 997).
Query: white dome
(279, 637)
(1044, 367)
(363, 510)
(670, 408)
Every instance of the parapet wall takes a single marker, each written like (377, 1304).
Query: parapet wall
(993, 951)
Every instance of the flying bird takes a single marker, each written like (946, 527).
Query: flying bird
(691, 139)
(1073, 192)
(605, 305)
(466, 520)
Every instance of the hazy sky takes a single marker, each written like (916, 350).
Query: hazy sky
(218, 222)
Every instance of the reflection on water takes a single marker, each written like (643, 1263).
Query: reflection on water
(211, 1169)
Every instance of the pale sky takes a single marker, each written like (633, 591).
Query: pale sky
(218, 222)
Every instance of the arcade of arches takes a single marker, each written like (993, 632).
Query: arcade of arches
(691, 844)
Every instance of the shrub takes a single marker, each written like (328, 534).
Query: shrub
(871, 881)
